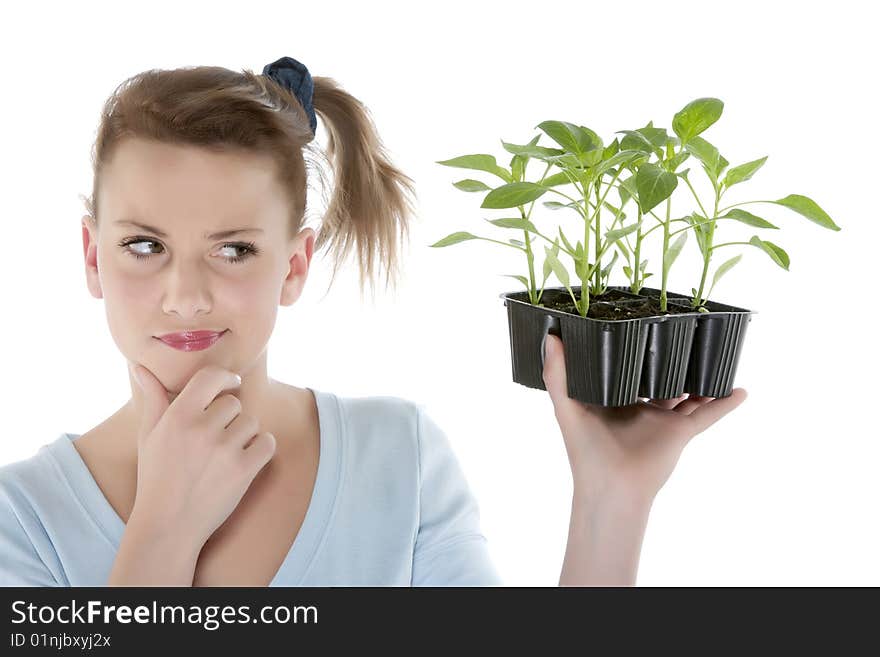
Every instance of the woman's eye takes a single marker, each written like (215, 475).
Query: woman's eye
(249, 249)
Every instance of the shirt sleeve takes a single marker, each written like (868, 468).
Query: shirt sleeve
(450, 549)
(20, 564)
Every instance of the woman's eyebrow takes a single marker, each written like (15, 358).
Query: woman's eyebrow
(210, 236)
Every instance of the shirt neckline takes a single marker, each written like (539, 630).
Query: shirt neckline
(305, 546)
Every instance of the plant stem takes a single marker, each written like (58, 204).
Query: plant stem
(664, 268)
(651, 212)
(531, 207)
(561, 246)
(729, 207)
(534, 295)
(707, 256)
(600, 248)
(695, 195)
(597, 270)
(701, 223)
(512, 246)
(636, 268)
(585, 291)
(556, 191)
(533, 292)
(718, 246)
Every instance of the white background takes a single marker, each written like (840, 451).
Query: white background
(783, 491)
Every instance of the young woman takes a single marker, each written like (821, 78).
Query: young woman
(214, 474)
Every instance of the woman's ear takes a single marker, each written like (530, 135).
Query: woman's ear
(303, 246)
(90, 254)
(309, 243)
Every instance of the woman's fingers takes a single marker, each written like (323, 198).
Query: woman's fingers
(663, 403)
(692, 403)
(705, 410)
(705, 415)
(684, 404)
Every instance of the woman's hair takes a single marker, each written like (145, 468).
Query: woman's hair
(225, 111)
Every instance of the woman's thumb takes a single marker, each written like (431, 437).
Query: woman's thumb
(554, 375)
(135, 373)
(154, 397)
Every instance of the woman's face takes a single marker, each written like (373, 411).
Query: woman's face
(189, 277)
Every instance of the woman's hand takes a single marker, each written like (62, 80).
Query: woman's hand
(630, 449)
(197, 455)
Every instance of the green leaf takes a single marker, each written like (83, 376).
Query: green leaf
(808, 208)
(556, 205)
(574, 139)
(518, 162)
(778, 256)
(517, 243)
(748, 218)
(580, 269)
(455, 238)
(694, 220)
(704, 152)
(590, 158)
(565, 241)
(514, 222)
(512, 195)
(551, 256)
(648, 140)
(627, 271)
(644, 264)
(521, 279)
(616, 211)
(518, 167)
(614, 235)
(635, 140)
(678, 159)
(695, 117)
(713, 162)
(546, 274)
(529, 150)
(547, 271)
(673, 251)
(612, 149)
(556, 266)
(569, 160)
(654, 185)
(621, 245)
(743, 172)
(561, 178)
(470, 185)
(627, 190)
(607, 268)
(594, 139)
(723, 269)
(656, 136)
(479, 162)
(623, 157)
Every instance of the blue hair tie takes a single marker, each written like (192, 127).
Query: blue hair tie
(295, 76)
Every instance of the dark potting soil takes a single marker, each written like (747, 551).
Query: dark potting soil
(614, 304)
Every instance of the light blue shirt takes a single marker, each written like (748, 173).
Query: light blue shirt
(390, 507)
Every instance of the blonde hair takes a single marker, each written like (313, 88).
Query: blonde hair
(222, 110)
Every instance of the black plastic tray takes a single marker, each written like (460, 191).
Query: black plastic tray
(614, 362)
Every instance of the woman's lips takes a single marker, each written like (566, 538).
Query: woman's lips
(191, 340)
